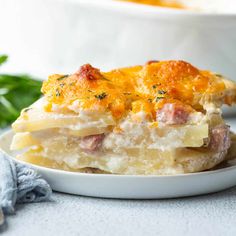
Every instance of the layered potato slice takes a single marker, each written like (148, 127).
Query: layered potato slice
(160, 118)
(155, 138)
(36, 118)
(124, 161)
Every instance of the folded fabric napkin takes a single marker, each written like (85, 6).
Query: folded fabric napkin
(19, 184)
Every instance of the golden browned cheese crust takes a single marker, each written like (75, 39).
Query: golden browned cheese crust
(140, 88)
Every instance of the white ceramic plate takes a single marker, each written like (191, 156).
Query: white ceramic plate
(132, 187)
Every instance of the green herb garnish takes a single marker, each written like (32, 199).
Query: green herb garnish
(3, 59)
(62, 77)
(62, 85)
(58, 94)
(27, 109)
(156, 85)
(101, 96)
(219, 75)
(103, 78)
(159, 98)
(161, 92)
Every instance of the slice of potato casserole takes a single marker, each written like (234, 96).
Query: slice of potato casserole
(161, 118)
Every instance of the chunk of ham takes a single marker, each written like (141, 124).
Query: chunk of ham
(151, 62)
(219, 138)
(88, 72)
(91, 143)
(173, 114)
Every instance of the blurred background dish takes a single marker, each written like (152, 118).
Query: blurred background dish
(47, 36)
(220, 6)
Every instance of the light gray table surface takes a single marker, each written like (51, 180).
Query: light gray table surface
(213, 214)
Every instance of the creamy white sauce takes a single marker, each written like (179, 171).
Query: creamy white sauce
(77, 104)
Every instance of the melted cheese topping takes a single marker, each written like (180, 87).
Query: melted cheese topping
(137, 89)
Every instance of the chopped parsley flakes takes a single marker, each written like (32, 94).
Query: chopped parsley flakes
(58, 94)
(156, 85)
(100, 96)
(27, 109)
(62, 77)
(159, 98)
(161, 92)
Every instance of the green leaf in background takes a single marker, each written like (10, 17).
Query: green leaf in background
(3, 59)
(16, 93)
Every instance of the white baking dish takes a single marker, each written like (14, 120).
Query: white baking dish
(47, 36)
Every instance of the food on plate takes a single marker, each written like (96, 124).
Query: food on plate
(160, 118)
